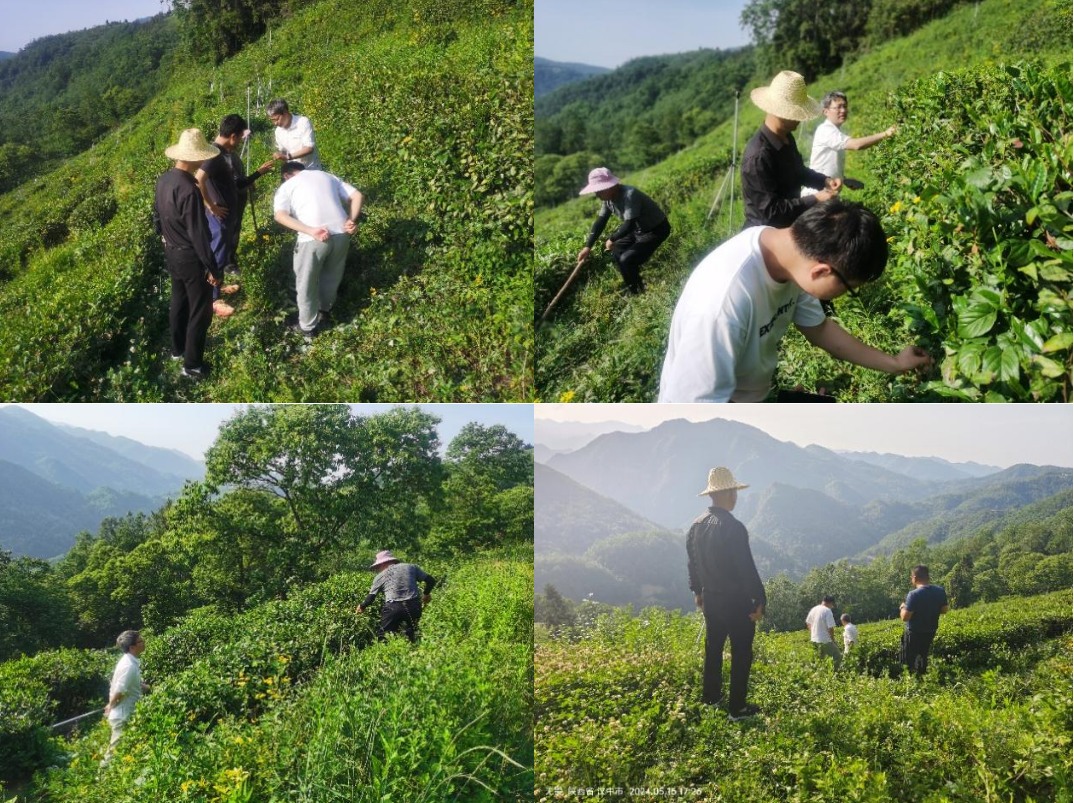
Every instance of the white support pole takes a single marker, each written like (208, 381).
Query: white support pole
(734, 162)
(719, 194)
(246, 140)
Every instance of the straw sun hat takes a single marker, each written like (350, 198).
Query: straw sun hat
(721, 479)
(192, 147)
(786, 98)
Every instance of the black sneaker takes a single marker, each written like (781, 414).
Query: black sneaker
(306, 333)
(197, 374)
(747, 711)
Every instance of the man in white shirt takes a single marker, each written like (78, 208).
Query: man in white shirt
(294, 136)
(741, 298)
(850, 633)
(830, 144)
(126, 688)
(820, 622)
(311, 203)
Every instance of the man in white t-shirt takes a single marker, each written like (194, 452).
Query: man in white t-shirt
(820, 622)
(294, 136)
(741, 298)
(311, 203)
(830, 144)
(126, 688)
(850, 633)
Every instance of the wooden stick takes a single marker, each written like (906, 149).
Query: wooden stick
(562, 290)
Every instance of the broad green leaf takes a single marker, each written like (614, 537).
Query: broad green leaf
(1060, 342)
(1049, 367)
(1008, 364)
(976, 320)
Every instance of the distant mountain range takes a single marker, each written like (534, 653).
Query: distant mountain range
(617, 530)
(56, 480)
(4, 54)
(548, 74)
(565, 436)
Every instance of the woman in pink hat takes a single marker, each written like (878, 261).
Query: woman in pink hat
(402, 602)
(644, 226)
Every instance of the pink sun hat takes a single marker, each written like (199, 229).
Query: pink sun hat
(384, 556)
(600, 178)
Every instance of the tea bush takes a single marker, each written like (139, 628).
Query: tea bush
(620, 710)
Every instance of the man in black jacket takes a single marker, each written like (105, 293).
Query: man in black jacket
(728, 589)
(180, 220)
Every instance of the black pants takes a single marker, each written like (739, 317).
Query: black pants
(915, 651)
(727, 618)
(396, 616)
(633, 250)
(191, 307)
(235, 231)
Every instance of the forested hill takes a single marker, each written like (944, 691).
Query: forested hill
(74, 87)
(548, 74)
(426, 107)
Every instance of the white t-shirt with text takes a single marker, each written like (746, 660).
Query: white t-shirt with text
(819, 619)
(315, 198)
(727, 325)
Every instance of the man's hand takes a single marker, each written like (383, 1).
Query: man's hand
(583, 255)
(108, 709)
(217, 210)
(891, 131)
(834, 184)
(266, 166)
(757, 614)
(280, 156)
(320, 234)
(350, 227)
(425, 600)
(911, 358)
(359, 610)
(145, 688)
(213, 280)
(608, 245)
(825, 195)
(699, 601)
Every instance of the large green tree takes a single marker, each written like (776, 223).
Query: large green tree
(345, 479)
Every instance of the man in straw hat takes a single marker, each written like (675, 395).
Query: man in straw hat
(727, 589)
(741, 298)
(644, 227)
(402, 602)
(772, 169)
(179, 218)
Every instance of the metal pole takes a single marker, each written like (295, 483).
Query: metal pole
(246, 141)
(719, 194)
(77, 719)
(734, 161)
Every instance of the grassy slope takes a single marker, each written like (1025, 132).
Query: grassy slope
(599, 347)
(623, 708)
(427, 109)
(447, 721)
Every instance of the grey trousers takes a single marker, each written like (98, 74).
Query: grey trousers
(318, 272)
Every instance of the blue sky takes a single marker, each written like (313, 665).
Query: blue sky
(191, 428)
(993, 434)
(607, 33)
(25, 21)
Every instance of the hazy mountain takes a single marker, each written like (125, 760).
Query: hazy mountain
(5, 54)
(569, 435)
(659, 473)
(548, 74)
(923, 468)
(170, 462)
(542, 454)
(40, 518)
(60, 456)
(579, 578)
(570, 518)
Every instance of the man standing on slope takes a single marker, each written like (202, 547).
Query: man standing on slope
(921, 612)
(727, 589)
(311, 203)
(830, 144)
(294, 136)
(850, 634)
(126, 688)
(402, 603)
(772, 169)
(179, 219)
(820, 622)
(644, 227)
(221, 184)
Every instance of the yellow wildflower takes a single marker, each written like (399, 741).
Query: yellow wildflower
(566, 397)
(895, 207)
(917, 199)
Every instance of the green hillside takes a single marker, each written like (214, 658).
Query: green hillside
(426, 107)
(619, 707)
(598, 346)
